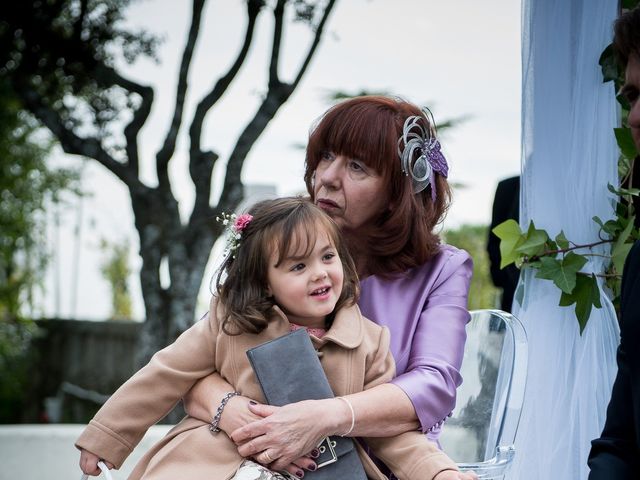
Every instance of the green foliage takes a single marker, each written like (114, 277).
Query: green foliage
(15, 364)
(116, 271)
(559, 260)
(27, 186)
(630, 4)
(473, 239)
(71, 46)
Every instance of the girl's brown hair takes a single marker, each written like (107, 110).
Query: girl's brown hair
(290, 226)
(367, 128)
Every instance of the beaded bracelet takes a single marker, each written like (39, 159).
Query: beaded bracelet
(214, 428)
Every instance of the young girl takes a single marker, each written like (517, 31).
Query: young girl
(287, 268)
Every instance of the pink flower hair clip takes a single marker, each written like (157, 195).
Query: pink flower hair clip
(234, 225)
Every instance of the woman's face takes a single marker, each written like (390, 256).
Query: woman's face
(352, 193)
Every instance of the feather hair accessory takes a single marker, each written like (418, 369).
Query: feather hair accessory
(417, 137)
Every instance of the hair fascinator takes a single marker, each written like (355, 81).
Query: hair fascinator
(419, 140)
(234, 225)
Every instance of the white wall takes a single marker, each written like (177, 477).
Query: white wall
(47, 452)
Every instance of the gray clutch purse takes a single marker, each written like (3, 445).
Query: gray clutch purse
(288, 370)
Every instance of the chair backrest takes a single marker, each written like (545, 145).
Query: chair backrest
(494, 368)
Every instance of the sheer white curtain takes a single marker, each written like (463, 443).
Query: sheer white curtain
(568, 157)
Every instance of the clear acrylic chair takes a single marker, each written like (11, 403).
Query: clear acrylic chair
(480, 434)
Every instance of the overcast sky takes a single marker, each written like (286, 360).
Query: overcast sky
(459, 57)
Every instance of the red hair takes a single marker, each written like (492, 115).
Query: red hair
(368, 128)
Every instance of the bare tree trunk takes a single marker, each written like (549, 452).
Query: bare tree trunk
(184, 246)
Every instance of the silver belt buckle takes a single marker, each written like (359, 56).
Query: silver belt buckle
(327, 445)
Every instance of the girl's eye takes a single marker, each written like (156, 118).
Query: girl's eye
(328, 256)
(297, 267)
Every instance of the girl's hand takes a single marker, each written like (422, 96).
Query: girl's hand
(285, 433)
(453, 475)
(89, 463)
(236, 414)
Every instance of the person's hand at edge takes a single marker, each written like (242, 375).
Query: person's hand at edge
(89, 463)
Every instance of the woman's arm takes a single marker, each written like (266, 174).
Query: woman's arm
(432, 374)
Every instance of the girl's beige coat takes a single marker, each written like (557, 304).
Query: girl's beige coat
(354, 354)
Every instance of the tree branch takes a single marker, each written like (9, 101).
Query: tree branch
(109, 76)
(232, 190)
(278, 16)
(72, 143)
(315, 43)
(169, 146)
(77, 26)
(201, 163)
(278, 93)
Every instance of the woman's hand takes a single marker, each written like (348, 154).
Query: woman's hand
(296, 468)
(89, 463)
(285, 433)
(453, 475)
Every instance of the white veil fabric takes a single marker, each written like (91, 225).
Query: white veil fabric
(569, 154)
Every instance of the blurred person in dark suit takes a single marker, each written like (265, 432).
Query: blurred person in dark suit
(506, 205)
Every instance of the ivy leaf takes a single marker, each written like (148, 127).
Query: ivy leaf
(629, 191)
(510, 238)
(619, 255)
(562, 241)
(623, 191)
(626, 232)
(610, 226)
(621, 248)
(625, 142)
(534, 241)
(598, 221)
(608, 63)
(585, 295)
(562, 272)
(549, 267)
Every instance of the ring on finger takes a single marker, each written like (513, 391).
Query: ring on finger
(268, 457)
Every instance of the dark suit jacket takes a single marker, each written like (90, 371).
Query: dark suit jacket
(506, 205)
(616, 454)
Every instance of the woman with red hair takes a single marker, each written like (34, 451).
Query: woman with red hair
(375, 165)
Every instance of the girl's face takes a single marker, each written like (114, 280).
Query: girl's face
(351, 192)
(307, 287)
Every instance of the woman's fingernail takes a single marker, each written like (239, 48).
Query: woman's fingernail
(252, 402)
(312, 467)
(299, 473)
(315, 453)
